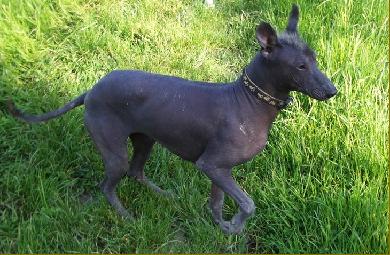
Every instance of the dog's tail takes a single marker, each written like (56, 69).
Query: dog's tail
(46, 116)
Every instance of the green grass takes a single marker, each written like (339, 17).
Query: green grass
(319, 186)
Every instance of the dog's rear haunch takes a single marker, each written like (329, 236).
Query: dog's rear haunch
(215, 126)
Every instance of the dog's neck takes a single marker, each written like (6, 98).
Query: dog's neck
(260, 111)
(259, 73)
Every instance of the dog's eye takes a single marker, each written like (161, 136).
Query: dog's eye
(301, 67)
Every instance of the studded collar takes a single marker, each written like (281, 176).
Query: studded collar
(262, 95)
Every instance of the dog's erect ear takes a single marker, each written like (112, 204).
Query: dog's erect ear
(267, 37)
(293, 19)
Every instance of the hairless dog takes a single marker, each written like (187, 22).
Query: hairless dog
(215, 126)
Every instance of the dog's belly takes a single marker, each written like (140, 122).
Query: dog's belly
(187, 142)
(185, 151)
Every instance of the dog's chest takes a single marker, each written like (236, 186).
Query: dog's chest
(248, 140)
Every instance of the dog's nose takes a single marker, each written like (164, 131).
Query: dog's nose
(331, 93)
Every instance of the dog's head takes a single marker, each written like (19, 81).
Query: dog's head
(292, 61)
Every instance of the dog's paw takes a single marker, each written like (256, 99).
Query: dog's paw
(126, 215)
(231, 228)
(169, 194)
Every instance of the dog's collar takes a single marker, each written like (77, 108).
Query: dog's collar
(262, 95)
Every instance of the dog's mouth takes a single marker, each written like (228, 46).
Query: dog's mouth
(322, 90)
(319, 93)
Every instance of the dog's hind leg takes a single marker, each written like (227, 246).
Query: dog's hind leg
(115, 166)
(142, 146)
(111, 140)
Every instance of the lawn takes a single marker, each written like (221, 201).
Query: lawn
(321, 184)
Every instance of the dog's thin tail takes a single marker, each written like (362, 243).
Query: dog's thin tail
(46, 116)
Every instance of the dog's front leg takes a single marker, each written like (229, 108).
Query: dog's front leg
(223, 179)
(216, 203)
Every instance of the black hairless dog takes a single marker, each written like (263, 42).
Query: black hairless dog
(215, 126)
